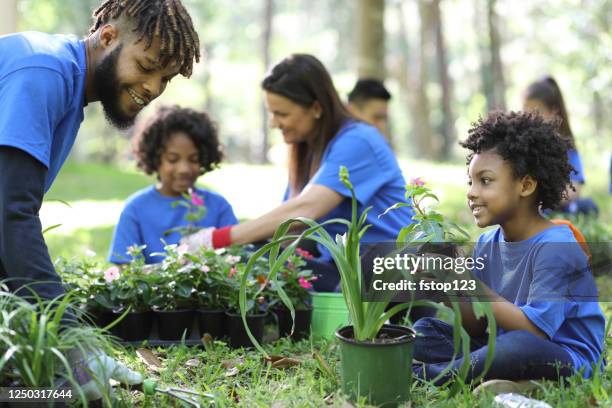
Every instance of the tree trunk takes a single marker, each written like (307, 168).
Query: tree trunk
(8, 17)
(499, 84)
(448, 122)
(266, 39)
(486, 76)
(411, 74)
(371, 39)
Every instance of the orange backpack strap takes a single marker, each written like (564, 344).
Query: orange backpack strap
(577, 234)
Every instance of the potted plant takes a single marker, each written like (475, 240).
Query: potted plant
(132, 289)
(173, 298)
(296, 282)
(376, 359)
(255, 288)
(212, 289)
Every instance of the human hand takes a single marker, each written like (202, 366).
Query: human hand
(197, 240)
(94, 370)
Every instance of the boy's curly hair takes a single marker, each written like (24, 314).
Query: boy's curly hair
(531, 145)
(150, 139)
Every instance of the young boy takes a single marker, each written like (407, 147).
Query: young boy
(535, 274)
(178, 145)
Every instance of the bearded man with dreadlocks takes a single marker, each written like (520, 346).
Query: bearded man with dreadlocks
(134, 49)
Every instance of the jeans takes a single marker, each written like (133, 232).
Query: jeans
(519, 355)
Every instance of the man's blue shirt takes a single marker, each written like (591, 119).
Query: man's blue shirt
(549, 278)
(42, 94)
(148, 215)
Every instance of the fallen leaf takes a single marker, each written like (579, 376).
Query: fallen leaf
(232, 372)
(192, 362)
(208, 341)
(281, 362)
(232, 362)
(322, 364)
(149, 358)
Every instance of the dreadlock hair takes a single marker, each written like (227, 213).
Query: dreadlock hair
(166, 19)
(531, 145)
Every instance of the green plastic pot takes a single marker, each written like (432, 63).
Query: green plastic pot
(329, 313)
(379, 371)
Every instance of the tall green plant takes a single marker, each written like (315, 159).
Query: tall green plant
(35, 344)
(366, 317)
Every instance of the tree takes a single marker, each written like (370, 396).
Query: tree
(447, 127)
(371, 39)
(8, 17)
(412, 77)
(266, 39)
(491, 66)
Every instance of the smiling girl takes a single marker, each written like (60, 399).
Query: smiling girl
(178, 145)
(535, 275)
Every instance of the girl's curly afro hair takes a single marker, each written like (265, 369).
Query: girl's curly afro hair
(531, 145)
(150, 140)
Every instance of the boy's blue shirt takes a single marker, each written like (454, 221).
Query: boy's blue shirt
(42, 94)
(376, 177)
(549, 278)
(148, 214)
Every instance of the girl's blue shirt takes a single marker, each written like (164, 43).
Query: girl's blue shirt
(147, 215)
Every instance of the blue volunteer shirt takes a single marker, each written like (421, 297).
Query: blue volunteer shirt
(148, 215)
(376, 178)
(574, 160)
(549, 278)
(42, 94)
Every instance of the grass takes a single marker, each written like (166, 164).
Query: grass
(95, 193)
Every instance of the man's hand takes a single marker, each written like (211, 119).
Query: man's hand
(94, 370)
(197, 240)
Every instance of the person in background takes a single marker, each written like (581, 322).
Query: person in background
(322, 136)
(544, 96)
(369, 101)
(177, 145)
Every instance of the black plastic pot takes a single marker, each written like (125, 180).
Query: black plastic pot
(100, 318)
(172, 324)
(212, 322)
(135, 326)
(302, 323)
(238, 335)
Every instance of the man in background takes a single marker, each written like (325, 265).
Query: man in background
(369, 101)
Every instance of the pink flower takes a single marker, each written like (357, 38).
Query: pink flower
(232, 272)
(111, 274)
(197, 199)
(182, 249)
(417, 181)
(303, 253)
(304, 283)
(205, 269)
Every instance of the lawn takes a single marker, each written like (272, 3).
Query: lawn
(242, 378)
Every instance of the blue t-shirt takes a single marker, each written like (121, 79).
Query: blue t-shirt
(148, 215)
(376, 178)
(574, 159)
(42, 94)
(549, 278)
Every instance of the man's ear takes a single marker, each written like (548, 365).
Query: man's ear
(108, 35)
(528, 186)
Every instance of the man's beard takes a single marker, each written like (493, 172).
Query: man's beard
(109, 90)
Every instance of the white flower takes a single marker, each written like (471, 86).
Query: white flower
(89, 253)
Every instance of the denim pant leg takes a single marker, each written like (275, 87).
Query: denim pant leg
(519, 355)
(328, 277)
(434, 341)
